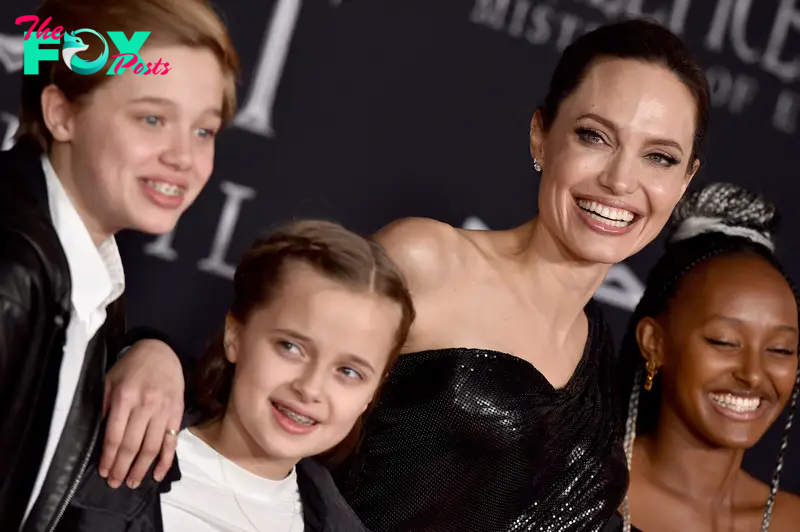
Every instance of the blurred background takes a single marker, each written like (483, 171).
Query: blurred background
(363, 111)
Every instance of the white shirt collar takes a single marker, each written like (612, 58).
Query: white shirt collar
(96, 271)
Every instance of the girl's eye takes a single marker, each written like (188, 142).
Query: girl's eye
(206, 133)
(351, 373)
(720, 343)
(151, 120)
(289, 347)
(781, 351)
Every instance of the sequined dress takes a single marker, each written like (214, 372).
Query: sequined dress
(470, 440)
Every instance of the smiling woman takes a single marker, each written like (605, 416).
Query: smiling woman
(714, 344)
(500, 416)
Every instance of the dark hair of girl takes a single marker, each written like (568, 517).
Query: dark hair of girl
(333, 251)
(718, 220)
(635, 39)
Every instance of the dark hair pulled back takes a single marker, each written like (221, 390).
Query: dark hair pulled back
(636, 39)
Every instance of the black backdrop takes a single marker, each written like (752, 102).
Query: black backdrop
(364, 111)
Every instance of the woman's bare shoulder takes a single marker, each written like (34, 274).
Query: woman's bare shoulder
(426, 250)
(786, 513)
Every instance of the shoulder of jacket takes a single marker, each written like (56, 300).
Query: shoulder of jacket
(340, 516)
(31, 249)
(21, 265)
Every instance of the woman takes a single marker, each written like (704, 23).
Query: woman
(500, 415)
(713, 342)
(97, 154)
(318, 316)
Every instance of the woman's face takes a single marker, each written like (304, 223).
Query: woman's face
(308, 364)
(726, 350)
(141, 147)
(616, 159)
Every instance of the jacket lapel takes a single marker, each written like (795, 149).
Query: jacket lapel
(324, 508)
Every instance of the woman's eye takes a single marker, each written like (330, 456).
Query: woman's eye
(589, 136)
(663, 160)
(351, 373)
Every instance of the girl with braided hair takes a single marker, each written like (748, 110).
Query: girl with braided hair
(708, 363)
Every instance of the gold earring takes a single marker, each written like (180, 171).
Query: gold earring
(651, 374)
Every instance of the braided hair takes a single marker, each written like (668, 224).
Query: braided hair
(720, 219)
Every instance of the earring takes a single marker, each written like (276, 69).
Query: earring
(651, 374)
(537, 165)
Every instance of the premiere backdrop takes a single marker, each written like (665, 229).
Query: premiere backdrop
(364, 111)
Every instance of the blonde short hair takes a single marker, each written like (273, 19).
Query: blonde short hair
(192, 23)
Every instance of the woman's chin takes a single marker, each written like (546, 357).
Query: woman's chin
(600, 253)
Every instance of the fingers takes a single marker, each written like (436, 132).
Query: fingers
(144, 398)
(153, 438)
(120, 411)
(169, 444)
(106, 398)
(129, 446)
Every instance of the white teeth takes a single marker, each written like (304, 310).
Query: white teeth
(294, 416)
(736, 403)
(606, 214)
(165, 188)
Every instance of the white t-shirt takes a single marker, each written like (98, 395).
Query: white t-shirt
(203, 500)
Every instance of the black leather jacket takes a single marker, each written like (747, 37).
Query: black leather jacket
(35, 308)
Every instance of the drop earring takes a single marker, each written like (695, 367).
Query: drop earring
(651, 374)
(537, 165)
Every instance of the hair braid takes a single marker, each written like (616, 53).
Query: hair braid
(787, 429)
(630, 436)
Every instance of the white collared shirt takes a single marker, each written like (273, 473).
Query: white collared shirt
(97, 281)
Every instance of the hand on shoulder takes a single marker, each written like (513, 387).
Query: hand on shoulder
(424, 249)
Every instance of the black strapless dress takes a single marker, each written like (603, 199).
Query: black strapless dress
(470, 440)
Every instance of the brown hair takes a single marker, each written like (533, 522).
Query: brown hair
(636, 39)
(170, 22)
(333, 251)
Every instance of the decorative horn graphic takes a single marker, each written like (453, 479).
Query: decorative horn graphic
(11, 52)
(73, 45)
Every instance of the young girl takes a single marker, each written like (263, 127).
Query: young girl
(710, 361)
(318, 316)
